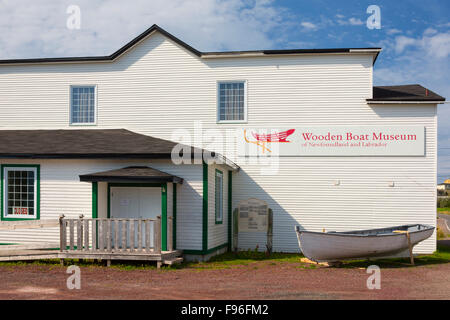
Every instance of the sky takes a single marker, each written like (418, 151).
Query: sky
(414, 35)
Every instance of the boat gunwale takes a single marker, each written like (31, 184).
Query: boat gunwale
(349, 234)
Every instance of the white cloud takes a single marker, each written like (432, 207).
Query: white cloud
(401, 42)
(308, 25)
(424, 60)
(349, 22)
(438, 45)
(38, 28)
(300, 44)
(429, 31)
(432, 43)
(355, 22)
(393, 31)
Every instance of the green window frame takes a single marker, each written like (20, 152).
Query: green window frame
(218, 190)
(16, 202)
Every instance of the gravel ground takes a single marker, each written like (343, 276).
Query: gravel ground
(259, 280)
(445, 216)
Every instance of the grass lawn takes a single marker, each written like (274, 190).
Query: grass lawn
(251, 259)
(443, 210)
(227, 260)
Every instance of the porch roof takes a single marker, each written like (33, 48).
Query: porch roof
(84, 143)
(135, 174)
(91, 144)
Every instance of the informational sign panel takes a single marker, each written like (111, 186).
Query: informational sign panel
(253, 216)
(333, 141)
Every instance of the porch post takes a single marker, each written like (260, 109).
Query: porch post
(164, 217)
(95, 199)
(174, 216)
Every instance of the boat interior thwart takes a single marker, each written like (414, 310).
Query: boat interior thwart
(335, 246)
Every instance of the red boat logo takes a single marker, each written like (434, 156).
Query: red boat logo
(262, 139)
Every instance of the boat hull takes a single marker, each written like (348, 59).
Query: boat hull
(337, 246)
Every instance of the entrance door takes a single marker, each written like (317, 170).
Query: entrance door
(135, 203)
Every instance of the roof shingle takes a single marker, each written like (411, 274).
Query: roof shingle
(133, 174)
(85, 143)
(412, 92)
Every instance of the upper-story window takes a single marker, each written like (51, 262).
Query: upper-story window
(83, 104)
(232, 104)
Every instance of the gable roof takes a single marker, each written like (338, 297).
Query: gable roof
(408, 93)
(153, 28)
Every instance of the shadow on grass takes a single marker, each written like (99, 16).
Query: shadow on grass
(241, 258)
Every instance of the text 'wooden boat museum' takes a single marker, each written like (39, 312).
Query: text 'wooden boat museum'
(105, 156)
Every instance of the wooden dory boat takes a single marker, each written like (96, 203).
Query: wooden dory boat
(335, 246)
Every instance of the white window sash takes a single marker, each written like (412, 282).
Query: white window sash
(233, 111)
(86, 107)
(6, 196)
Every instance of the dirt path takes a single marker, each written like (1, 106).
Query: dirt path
(261, 280)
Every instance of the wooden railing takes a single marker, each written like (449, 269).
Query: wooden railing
(28, 224)
(110, 235)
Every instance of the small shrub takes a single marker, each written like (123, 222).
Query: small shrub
(440, 234)
(443, 203)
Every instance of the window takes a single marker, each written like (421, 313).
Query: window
(219, 196)
(82, 105)
(20, 187)
(232, 102)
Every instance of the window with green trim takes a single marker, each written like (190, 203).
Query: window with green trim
(219, 196)
(20, 189)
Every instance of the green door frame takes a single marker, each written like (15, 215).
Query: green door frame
(163, 187)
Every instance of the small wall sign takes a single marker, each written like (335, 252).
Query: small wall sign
(20, 211)
(253, 215)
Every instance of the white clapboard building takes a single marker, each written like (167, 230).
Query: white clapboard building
(305, 131)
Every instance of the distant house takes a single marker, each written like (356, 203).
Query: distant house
(444, 188)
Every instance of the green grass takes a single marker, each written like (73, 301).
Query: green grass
(242, 258)
(443, 210)
(54, 263)
(440, 234)
(246, 259)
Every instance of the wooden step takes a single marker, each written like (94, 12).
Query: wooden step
(173, 261)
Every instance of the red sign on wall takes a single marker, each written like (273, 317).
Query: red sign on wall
(20, 211)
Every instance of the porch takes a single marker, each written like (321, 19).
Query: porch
(94, 238)
(116, 239)
(133, 214)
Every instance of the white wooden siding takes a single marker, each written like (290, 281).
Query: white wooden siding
(158, 87)
(217, 233)
(303, 191)
(102, 200)
(62, 192)
(189, 203)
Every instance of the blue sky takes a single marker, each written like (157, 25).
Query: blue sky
(414, 35)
